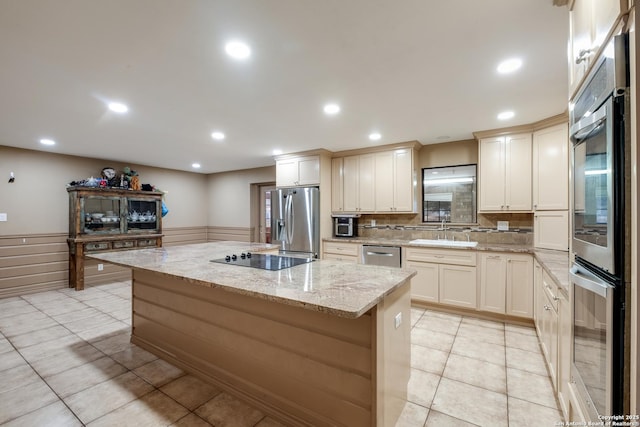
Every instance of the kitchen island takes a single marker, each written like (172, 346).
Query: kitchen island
(322, 343)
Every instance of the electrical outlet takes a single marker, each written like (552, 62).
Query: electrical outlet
(100, 267)
(398, 320)
(503, 225)
(373, 222)
(3, 216)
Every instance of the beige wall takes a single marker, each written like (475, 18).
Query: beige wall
(230, 197)
(448, 154)
(37, 201)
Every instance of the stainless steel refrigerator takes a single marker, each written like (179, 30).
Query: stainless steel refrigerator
(295, 220)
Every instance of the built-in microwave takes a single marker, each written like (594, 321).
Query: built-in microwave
(345, 226)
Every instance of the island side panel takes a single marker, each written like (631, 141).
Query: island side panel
(307, 367)
(393, 354)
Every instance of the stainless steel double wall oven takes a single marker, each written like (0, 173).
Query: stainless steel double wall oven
(600, 138)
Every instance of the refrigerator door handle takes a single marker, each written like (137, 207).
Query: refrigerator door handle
(289, 215)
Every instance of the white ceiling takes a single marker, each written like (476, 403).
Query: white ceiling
(409, 69)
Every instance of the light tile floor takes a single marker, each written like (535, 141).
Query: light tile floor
(66, 360)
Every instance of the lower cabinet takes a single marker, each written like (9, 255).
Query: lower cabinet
(342, 251)
(506, 284)
(564, 354)
(444, 276)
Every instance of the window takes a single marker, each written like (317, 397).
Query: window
(449, 194)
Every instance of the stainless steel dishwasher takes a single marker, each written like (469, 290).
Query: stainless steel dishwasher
(388, 256)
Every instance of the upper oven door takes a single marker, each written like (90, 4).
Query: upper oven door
(593, 193)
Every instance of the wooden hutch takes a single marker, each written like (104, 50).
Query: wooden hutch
(110, 219)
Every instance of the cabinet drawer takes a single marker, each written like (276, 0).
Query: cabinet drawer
(339, 257)
(122, 245)
(146, 242)
(351, 249)
(551, 290)
(100, 246)
(441, 256)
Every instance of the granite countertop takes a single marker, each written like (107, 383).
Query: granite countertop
(334, 287)
(556, 263)
(497, 247)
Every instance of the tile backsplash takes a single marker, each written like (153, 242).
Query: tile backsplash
(410, 226)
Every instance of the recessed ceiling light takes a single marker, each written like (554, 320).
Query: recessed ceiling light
(237, 49)
(505, 115)
(45, 141)
(331, 109)
(195, 165)
(118, 107)
(277, 152)
(375, 136)
(219, 136)
(509, 66)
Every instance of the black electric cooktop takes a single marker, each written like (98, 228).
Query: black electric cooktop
(262, 261)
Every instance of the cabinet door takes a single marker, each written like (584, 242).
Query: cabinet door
(491, 174)
(551, 230)
(458, 286)
(350, 188)
(581, 25)
(492, 283)
(337, 185)
(424, 285)
(538, 295)
(286, 172)
(520, 285)
(384, 185)
(604, 15)
(550, 340)
(564, 354)
(366, 183)
(403, 186)
(518, 172)
(551, 168)
(309, 171)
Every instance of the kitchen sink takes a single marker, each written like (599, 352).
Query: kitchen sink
(439, 242)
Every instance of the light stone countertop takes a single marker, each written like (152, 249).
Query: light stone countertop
(556, 263)
(335, 287)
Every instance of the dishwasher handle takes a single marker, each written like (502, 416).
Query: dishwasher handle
(381, 255)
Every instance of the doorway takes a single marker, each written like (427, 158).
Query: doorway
(261, 215)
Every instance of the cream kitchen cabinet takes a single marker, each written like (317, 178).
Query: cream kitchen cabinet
(547, 320)
(551, 230)
(565, 340)
(342, 251)
(394, 181)
(358, 180)
(379, 182)
(445, 276)
(505, 173)
(551, 168)
(298, 171)
(337, 185)
(590, 22)
(506, 284)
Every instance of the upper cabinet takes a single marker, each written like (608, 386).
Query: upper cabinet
(375, 182)
(394, 181)
(591, 21)
(358, 191)
(298, 171)
(551, 168)
(505, 173)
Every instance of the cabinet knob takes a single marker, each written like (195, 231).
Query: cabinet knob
(546, 307)
(583, 55)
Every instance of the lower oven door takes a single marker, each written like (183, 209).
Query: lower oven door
(592, 368)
